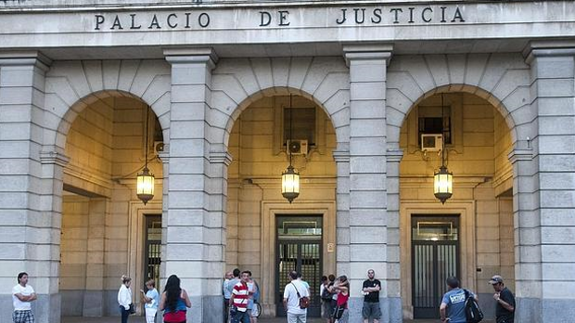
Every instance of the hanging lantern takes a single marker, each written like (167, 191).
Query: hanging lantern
(145, 179)
(290, 184)
(145, 185)
(443, 184)
(290, 178)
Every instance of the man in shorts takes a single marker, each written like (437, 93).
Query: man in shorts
(22, 297)
(371, 287)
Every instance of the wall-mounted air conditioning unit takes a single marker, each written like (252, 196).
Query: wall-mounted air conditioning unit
(297, 147)
(431, 142)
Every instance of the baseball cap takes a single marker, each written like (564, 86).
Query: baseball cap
(496, 280)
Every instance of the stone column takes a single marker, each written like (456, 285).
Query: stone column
(367, 172)
(546, 220)
(30, 199)
(194, 248)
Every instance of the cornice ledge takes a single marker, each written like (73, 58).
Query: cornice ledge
(394, 155)
(25, 58)
(520, 154)
(54, 157)
(542, 48)
(220, 157)
(341, 156)
(191, 55)
(367, 51)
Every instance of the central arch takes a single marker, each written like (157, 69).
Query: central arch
(241, 83)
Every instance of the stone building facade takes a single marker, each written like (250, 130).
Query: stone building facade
(216, 81)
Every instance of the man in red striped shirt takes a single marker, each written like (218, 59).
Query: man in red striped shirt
(239, 300)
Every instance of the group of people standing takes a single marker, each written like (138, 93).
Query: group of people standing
(241, 297)
(174, 301)
(335, 295)
(242, 293)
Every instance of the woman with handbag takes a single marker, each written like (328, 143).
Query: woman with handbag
(125, 298)
(174, 302)
(341, 313)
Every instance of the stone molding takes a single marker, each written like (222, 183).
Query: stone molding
(501, 79)
(221, 157)
(548, 49)
(368, 51)
(25, 58)
(341, 156)
(54, 157)
(394, 155)
(71, 86)
(192, 55)
(237, 83)
(518, 154)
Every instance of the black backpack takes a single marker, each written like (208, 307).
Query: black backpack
(472, 311)
(326, 295)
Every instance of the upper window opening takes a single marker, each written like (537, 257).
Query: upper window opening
(435, 120)
(302, 126)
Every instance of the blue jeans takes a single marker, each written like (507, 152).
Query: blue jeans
(238, 316)
(125, 314)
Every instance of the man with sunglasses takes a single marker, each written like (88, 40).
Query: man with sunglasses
(505, 308)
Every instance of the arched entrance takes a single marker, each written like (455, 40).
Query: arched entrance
(106, 231)
(471, 235)
(266, 234)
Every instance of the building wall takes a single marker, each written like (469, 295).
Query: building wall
(74, 253)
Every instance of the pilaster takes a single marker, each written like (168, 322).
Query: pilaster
(194, 235)
(30, 197)
(368, 196)
(545, 222)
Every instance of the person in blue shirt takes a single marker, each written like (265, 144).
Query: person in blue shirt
(452, 308)
(227, 294)
(152, 300)
(254, 291)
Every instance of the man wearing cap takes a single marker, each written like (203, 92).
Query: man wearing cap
(505, 309)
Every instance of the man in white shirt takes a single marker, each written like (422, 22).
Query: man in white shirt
(295, 314)
(22, 296)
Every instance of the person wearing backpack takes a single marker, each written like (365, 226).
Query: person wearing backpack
(452, 308)
(505, 308)
(295, 293)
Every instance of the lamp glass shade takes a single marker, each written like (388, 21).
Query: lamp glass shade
(443, 184)
(290, 184)
(145, 185)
